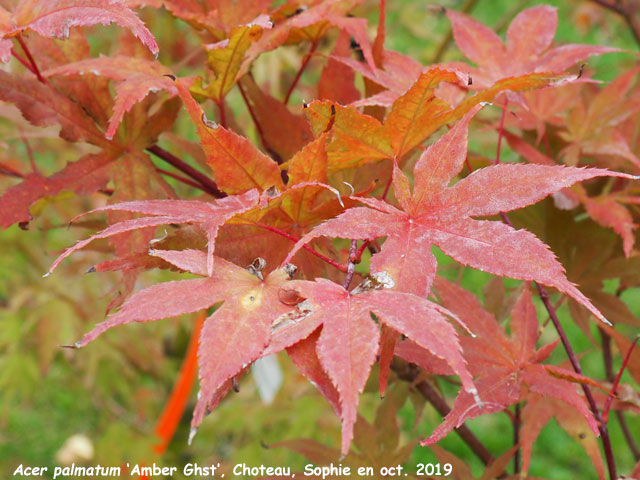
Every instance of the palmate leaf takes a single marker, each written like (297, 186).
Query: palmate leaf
(509, 370)
(234, 336)
(53, 18)
(435, 214)
(137, 78)
(209, 216)
(349, 339)
(527, 48)
(238, 166)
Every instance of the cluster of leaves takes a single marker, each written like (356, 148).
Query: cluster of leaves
(350, 164)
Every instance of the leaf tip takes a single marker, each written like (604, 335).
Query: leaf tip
(46, 274)
(192, 433)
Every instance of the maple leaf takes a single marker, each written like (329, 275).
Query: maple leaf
(337, 80)
(225, 58)
(434, 214)
(42, 105)
(283, 132)
(349, 339)
(527, 48)
(357, 138)
(54, 18)
(591, 129)
(238, 166)
(232, 337)
(137, 77)
(506, 370)
(209, 216)
(84, 176)
(538, 411)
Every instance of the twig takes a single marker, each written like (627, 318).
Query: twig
(23, 61)
(303, 65)
(35, 70)
(516, 439)
(208, 185)
(616, 382)
(602, 426)
(184, 180)
(253, 117)
(628, 11)
(544, 296)
(223, 116)
(351, 264)
(501, 130)
(409, 373)
(309, 249)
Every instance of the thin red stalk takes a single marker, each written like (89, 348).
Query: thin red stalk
(35, 70)
(23, 61)
(501, 129)
(351, 264)
(387, 187)
(516, 439)
(223, 115)
(333, 263)
(616, 382)
(608, 368)
(303, 65)
(409, 373)
(628, 435)
(360, 251)
(544, 296)
(208, 185)
(602, 426)
(253, 117)
(180, 178)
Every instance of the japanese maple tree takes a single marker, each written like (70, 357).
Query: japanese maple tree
(311, 223)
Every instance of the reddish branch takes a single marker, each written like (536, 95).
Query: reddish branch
(265, 145)
(544, 296)
(342, 268)
(35, 70)
(602, 426)
(305, 61)
(23, 61)
(516, 438)
(616, 382)
(351, 264)
(208, 185)
(223, 116)
(608, 368)
(203, 181)
(409, 373)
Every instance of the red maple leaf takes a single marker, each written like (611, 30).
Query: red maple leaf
(136, 77)
(349, 339)
(527, 49)
(53, 18)
(435, 214)
(233, 337)
(506, 370)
